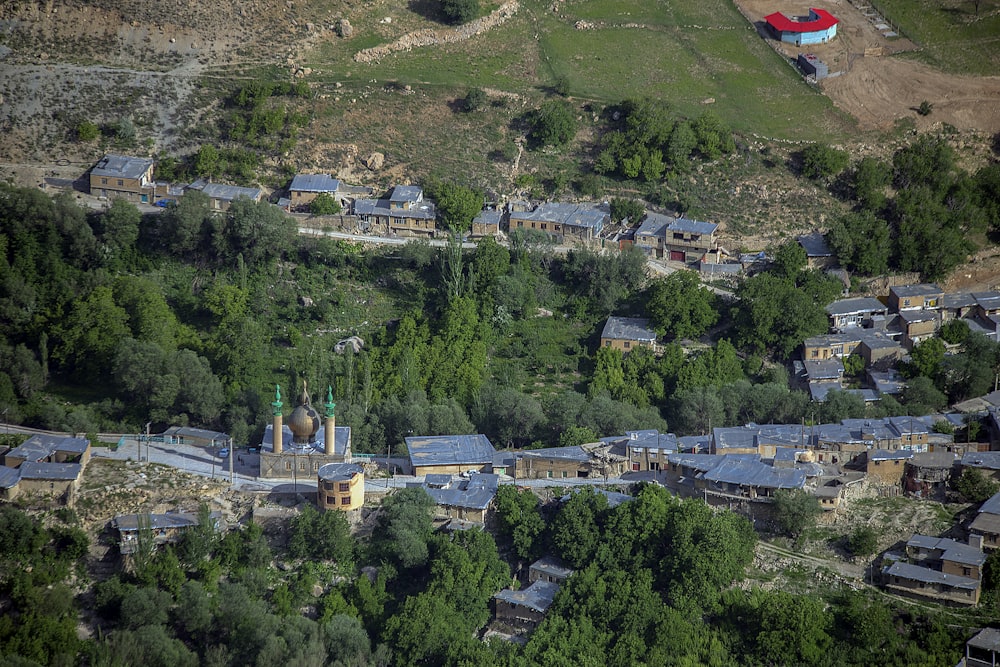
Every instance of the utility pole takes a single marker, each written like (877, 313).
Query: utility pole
(148, 424)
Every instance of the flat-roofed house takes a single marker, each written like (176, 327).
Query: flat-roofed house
(907, 297)
(645, 449)
(885, 467)
(818, 253)
(563, 222)
(306, 187)
(487, 223)
(221, 196)
(449, 454)
(925, 582)
(849, 313)
(163, 528)
(465, 498)
(627, 333)
(677, 239)
(123, 177)
(918, 325)
(562, 463)
(50, 479)
(340, 486)
(10, 479)
(41, 448)
(987, 527)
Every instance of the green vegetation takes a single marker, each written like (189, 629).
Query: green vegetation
(460, 11)
(795, 511)
(324, 204)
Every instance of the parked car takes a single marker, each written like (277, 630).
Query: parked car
(224, 452)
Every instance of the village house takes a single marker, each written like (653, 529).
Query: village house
(627, 333)
(927, 473)
(914, 297)
(404, 212)
(563, 222)
(983, 650)
(986, 525)
(340, 486)
(818, 28)
(549, 568)
(163, 528)
(221, 197)
(582, 461)
(875, 347)
(468, 498)
(914, 580)
(859, 312)
(306, 187)
(42, 448)
(197, 437)
(818, 253)
(886, 468)
(676, 239)
(988, 463)
(123, 177)
(917, 325)
(487, 223)
(646, 450)
(449, 454)
(522, 610)
(59, 480)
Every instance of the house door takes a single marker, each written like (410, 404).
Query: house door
(676, 255)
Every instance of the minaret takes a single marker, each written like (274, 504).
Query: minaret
(330, 434)
(277, 424)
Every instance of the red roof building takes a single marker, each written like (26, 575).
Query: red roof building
(820, 27)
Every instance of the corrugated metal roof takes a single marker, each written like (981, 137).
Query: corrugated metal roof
(819, 19)
(574, 215)
(433, 450)
(477, 492)
(987, 639)
(755, 473)
(922, 289)
(815, 245)
(314, 183)
(888, 455)
(489, 217)
(538, 596)
(42, 446)
(410, 193)
(688, 226)
(60, 471)
(9, 477)
(865, 304)
(628, 328)
(575, 453)
(927, 575)
(991, 505)
(987, 460)
(553, 566)
(197, 433)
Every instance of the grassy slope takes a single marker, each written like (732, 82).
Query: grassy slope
(953, 37)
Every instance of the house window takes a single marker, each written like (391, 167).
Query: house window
(906, 302)
(678, 236)
(532, 225)
(302, 466)
(346, 500)
(564, 473)
(814, 353)
(104, 181)
(288, 465)
(121, 183)
(607, 343)
(315, 466)
(548, 473)
(930, 303)
(544, 226)
(344, 487)
(627, 345)
(967, 571)
(635, 467)
(557, 228)
(330, 500)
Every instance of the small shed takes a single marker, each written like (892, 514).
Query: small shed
(813, 66)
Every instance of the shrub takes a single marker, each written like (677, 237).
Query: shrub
(863, 541)
(87, 131)
(475, 99)
(460, 11)
(552, 124)
(925, 108)
(822, 161)
(324, 204)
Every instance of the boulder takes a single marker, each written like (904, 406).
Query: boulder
(375, 161)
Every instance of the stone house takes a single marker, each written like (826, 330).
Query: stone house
(221, 196)
(564, 223)
(449, 454)
(123, 177)
(627, 333)
(340, 486)
(523, 610)
(404, 212)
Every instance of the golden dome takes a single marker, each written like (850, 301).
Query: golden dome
(304, 421)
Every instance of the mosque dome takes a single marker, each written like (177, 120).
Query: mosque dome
(304, 421)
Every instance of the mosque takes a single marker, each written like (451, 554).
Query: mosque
(300, 447)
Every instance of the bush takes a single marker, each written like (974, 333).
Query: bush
(475, 99)
(863, 541)
(552, 125)
(925, 108)
(460, 11)
(324, 204)
(822, 161)
(87, 131)
(954, 331)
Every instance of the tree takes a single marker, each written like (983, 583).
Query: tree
(324, 204)
(854, 365)
(576, 528)
(553, 124)
(773, 314)
(861, 242)
(322, 536)
(474, 100)
(520, 520)
(789, 259)
(626, 209)
(457, 205)
(926, 359)
(870, 179)
(975, 486)
(795, 511)
(822, 161)
(954, 331)
(679, 306)
(863, 541)
(404, 528)
(89, 335)
(256, 230)
(184, 223)
(460, 11)
(921, 396)
(207, 161)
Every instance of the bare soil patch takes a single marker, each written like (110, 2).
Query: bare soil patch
(879, 90)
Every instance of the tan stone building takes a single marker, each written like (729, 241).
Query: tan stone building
(123, 177)
(449, 454)
(627, 333)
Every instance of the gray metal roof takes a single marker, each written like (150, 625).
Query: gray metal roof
(572, 215)
(889, 382)
(537, 597)
(226, 192)
(688, 226)
(490, 217)
(859, 305)
(923, 289)
(410, 193)
(697, 462)
(991, 505)
(628, 328)
(910, 425)
(958, 300)
(651, 439)
(314, 183)
(575, 453)
(122, 166)
(476, 492)
(951, 550)
(42, 446)
(788, 453)
(986, 523)
(381, 207)
(339, 472)
(130, 522)
(655, 224)
(60, 471)
(755, 473)
(988, 300)
(987, 460)
(933, 460)
(553, 566)
(341, 435)
(694, 443)
(918, 315)
(927, 575)
(433, 450)
(9, 477)
(987, 639)
(815, 245)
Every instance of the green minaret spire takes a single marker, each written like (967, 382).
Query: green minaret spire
(277, 400)
(329, 405)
